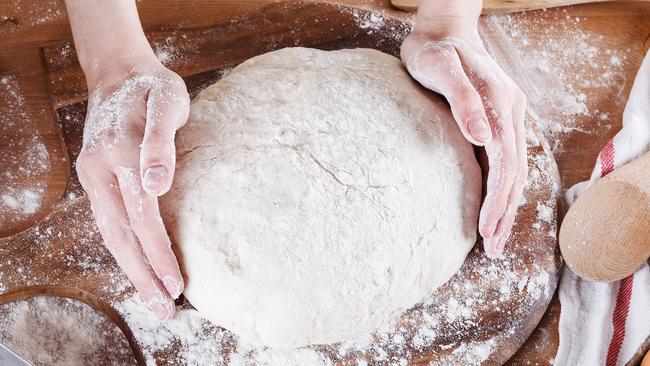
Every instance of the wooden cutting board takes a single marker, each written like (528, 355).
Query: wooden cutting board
(481, 316)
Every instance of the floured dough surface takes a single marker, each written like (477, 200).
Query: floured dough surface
(317, 195)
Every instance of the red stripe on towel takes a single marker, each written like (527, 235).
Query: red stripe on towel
(619, 317)
(625, 286)
(607, 159)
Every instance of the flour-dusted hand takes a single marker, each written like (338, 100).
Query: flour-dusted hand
(135, 106)
(446, 55)
(127, 160)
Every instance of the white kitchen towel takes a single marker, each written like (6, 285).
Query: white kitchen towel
(606, 323)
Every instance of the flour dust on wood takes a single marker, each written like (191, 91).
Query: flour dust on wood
(56, 331)
(23, 155)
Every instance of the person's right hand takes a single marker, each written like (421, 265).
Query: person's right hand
(127, 160)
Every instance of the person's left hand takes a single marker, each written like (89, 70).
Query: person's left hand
(450, 59)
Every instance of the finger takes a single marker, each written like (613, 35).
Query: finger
(502, 160)
(504, 226)
(167, 110)
(144, 217)
(440, 69)
(112, 221)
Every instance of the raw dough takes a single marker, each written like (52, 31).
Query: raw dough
(317, 195)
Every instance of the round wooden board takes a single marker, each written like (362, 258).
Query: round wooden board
(481, 316)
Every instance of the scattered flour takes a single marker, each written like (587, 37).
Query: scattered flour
(25, 201)
(556, 61)
(201, 343)
(506, 287)
(23, 156)
(199, 347)
(457, 310)
(58, 331)
(30, 13)
(421, 331)
(368, 20)
(473, 353)
(545, 212)
(379, 22)
(539, 285)
(167, 52)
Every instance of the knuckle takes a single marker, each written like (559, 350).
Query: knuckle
(175, 89)
(177, 80)
(183, 94)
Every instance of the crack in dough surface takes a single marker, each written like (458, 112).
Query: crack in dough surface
(318, 195)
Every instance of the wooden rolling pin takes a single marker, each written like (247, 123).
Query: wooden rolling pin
(605, 236)
(505, 6)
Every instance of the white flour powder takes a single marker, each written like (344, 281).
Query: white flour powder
(56, 331)
(317, 195)
(23, 156)
(540, 56)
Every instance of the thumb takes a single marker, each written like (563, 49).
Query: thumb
(168, 107)
(468, 111)
(442, 71)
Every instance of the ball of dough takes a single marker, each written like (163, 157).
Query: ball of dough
(318, 194)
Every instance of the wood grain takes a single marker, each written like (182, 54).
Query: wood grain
(206, 49)
(505, 6)
(24, 31)
(619, 200)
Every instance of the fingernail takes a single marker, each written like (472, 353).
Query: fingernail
(154, 177)
(479, 129)
(161, 311)
(173, 287)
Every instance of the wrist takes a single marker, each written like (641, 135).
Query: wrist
(107, 70)
(108, 37)
(445, 26)
(443, 18)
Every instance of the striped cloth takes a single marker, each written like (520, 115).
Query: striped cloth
(606, 323)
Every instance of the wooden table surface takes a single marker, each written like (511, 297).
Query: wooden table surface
(619, 34)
